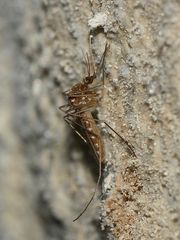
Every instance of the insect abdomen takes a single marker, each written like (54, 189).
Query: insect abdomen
(93, 135)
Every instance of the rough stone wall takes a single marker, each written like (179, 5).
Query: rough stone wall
(47, 173)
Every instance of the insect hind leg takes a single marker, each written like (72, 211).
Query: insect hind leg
(130, 147)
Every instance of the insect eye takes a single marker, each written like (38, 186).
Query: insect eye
(88, 80)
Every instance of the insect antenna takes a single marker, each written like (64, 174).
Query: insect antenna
(102, 62)
(91, 55)
(86, 60)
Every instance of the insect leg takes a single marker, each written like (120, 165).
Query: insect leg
(74, 122)
(69, 122)
(94, 193)
(64, 106)
(130, 147)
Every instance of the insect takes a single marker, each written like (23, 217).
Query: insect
(83, 98)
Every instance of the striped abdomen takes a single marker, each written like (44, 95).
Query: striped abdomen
(93, 134)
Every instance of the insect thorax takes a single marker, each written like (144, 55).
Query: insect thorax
(81, 96)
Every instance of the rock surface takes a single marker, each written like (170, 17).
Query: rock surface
(47, 173)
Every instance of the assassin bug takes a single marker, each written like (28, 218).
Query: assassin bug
(82, 100)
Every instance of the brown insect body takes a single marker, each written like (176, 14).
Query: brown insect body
(82, 99)
(80, 96)
(93, 135)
